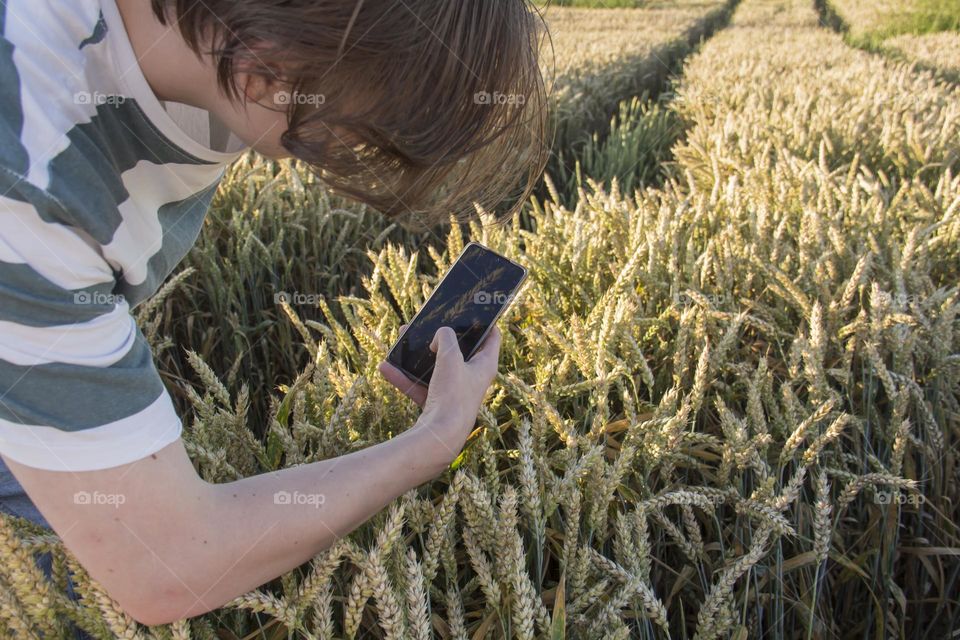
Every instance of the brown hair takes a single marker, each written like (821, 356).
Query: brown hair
(417, 107)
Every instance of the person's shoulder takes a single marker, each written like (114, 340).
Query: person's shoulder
(58, 26)
(45, 60)
(51, 53)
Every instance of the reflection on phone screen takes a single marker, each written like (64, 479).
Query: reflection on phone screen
(468, 300)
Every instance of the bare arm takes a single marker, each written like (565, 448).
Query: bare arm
(167, 545)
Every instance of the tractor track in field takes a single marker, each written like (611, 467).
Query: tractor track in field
(832, 19)
(661, 66)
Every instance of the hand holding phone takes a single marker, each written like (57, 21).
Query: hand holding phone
(459, 357)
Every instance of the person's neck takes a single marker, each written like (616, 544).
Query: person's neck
(172, 69)
(176, 74)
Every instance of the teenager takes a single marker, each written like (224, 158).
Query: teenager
(118, 118)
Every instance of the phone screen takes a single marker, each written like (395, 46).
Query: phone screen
(469, 299)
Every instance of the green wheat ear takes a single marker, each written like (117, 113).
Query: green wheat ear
(736, 348)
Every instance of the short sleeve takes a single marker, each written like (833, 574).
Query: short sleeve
(79, 390)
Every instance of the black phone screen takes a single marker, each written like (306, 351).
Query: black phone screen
(469, 299)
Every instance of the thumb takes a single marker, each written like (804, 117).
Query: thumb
(447, 348)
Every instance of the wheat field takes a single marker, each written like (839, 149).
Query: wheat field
(939, 52)
(729, 399)
(596, 58)
(870, 21)
(866, 16)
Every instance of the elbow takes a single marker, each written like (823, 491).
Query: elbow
(158, 602)
(150, 617)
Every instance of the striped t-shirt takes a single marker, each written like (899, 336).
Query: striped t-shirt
(102, 193)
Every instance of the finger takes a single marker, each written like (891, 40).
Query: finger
(445, 344)
(491, 341)
(448, 352)
(414, 391)
(489, 352)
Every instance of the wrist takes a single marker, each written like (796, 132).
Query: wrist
(436, 449)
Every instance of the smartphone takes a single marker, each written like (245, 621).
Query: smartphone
(471, 296)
